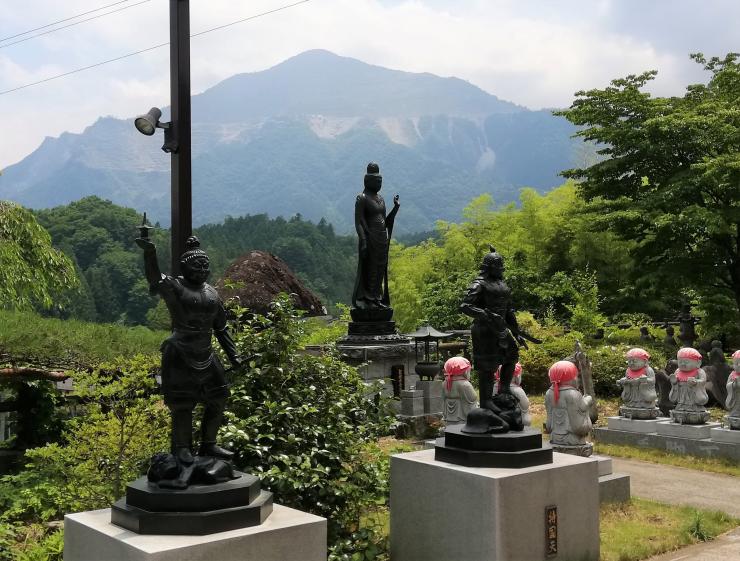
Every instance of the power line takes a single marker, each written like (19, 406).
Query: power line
(76, 70)
(63, 20)
(73, 24)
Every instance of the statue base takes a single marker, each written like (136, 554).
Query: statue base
(639, 413)
(365, 315)
(197, 510)
(371, 328)
(507, 450)
(584, 450)
(444, 512)
(287, 535)
(684, 417)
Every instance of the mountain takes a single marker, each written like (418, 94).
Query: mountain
(296, 139)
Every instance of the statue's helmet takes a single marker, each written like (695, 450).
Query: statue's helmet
(192, 251)
(373, 179)
(480, 421)
(492, 260)
(194, 261)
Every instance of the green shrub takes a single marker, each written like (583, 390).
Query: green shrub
(302, 423)
(28, 337)
(123, 424)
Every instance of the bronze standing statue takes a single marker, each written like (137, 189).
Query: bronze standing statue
(374, 229)
(496, 340)
(191, 372)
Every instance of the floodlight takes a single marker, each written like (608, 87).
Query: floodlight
(147, 123)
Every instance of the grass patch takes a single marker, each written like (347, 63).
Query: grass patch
(724, 466)
(641, 528)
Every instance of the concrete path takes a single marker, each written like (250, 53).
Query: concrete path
(711, 491)
(677, 485)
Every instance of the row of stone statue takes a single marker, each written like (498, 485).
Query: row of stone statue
(568, 420)
(688, 389)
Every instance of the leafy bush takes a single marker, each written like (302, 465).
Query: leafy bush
(122, 426)
(28, 337)
(303, 423)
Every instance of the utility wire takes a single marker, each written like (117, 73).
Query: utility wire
(63, 20)
(76, 70)
(73, 24)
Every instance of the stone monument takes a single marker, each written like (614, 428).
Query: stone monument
(459, 394)
(518, 391)
(372, 339)
(568, 420)
(638, 387)
(688, 390)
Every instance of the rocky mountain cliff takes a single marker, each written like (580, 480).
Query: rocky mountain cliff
(296, 139)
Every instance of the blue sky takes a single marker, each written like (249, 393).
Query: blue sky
(534, 52)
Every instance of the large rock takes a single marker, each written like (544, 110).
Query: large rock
(260, 276)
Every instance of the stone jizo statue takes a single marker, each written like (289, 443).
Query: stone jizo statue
(733, 394)
(638, 387)
(568, 420)
(191, 372)
(688, 389)
(459, 394)
(374, 230)
(517, 391)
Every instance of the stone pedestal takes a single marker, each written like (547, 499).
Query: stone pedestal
(639, 412)
(514, 449)
(733, 422)
(634, 425)
(689, 417)
(197, 510)
(613, 487)
(446, 512)
(412, 403)
(696, 432)
(287, 535)
(584, 450)
(432, 394)
(730, 436)
(701, 447)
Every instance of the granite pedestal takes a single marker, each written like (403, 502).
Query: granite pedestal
(730, 436)
(701, 447)
(514, 449)
(432, 395)
(696, 432)
(613, 487)
(287, 535)
(447, 512)
(634, 425)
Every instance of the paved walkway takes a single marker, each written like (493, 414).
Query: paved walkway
(712, 491)
(677, 485)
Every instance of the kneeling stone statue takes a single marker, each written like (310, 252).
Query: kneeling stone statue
(568, 420)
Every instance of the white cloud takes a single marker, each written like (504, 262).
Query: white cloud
(535, 53)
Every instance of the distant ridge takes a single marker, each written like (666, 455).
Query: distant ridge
(296, 138)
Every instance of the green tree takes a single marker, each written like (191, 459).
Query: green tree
(669, 176)
(31, 270)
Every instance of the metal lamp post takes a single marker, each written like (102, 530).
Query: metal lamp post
(177, 132)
